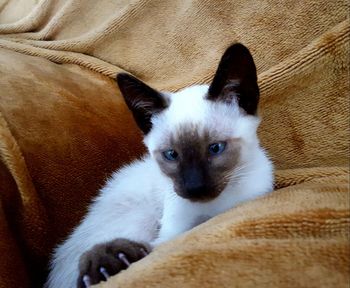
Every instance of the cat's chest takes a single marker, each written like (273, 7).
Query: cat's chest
(200, 219)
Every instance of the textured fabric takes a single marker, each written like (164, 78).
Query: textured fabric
(63, 131)
(297, 236)
(64, 128)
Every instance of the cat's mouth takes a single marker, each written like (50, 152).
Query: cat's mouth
(200, 193)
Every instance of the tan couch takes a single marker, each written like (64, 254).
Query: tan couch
(64, 128)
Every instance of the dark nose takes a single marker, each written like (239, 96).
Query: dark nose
(194, 183)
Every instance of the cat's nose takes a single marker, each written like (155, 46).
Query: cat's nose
(194, 183)
(195, 192)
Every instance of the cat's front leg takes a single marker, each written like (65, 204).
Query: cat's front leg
(107, 259)
(179, 216)
(121, 211)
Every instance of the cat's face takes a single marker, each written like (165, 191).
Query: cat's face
(198, 160)
(201, 135)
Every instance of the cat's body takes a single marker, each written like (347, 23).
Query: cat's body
(204, 158)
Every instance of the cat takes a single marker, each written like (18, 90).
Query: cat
(204, 158)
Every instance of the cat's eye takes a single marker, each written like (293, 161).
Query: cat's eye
(170, 155)
(217, 148)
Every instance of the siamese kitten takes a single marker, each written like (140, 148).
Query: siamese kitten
(203, 158)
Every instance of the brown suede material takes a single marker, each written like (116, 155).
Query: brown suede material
(64, 128)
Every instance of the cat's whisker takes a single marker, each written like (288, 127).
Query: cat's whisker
(173, 195)
(238, 177)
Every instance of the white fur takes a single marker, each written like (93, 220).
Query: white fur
(140, 197)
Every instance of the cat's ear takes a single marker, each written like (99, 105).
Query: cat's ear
(236, 79)
(142, 100)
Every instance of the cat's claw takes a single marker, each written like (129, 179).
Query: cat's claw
(87, 281)
(144, 252)
(104, 272)
(107, 259)
(122, 257)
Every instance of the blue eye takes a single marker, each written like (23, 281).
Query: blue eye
(170, 155)
(217, 148)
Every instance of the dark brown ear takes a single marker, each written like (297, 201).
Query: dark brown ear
(236, 78)
(142, 100)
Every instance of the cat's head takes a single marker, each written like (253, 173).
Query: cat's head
(200, 135)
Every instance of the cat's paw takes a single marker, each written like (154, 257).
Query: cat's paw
(107, 259)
